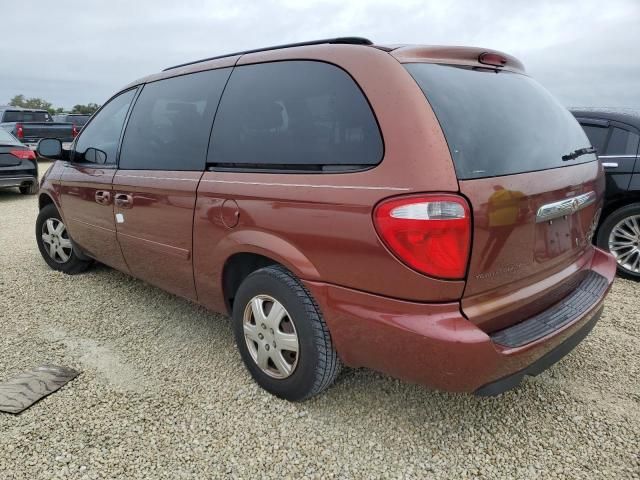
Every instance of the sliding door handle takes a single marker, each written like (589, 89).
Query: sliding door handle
(103, 197)
(124, 200)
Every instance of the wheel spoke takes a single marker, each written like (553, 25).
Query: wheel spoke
(286, 341)
(59, 228)
(251, 332)
(622, 258)
(65, 243)
(632, 223)
(276, 315)
(257, 308)
(281, 364)
(46, 238)
(262, 357)
(51, 229)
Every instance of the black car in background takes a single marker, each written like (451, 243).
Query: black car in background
(616, 136)
(18, 166)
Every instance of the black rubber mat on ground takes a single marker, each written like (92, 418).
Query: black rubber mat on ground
(575, 304)
(20, 392)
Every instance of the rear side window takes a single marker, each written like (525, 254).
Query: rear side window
(171, 121)
(622, 142)
(499, 123)
(294, 115)
(18, 116)
(597, 136)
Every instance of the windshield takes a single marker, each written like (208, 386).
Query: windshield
(499, 123)
(20, 116)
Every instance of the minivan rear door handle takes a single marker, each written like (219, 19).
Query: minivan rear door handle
(103, 197)
(124, 200)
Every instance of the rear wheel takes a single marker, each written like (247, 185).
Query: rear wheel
(30, 189)
(620, 235)
(281, 335)
(55, 244)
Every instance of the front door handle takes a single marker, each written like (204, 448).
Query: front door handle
(103, 197)
(124, 200)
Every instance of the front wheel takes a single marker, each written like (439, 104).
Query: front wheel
(281, 335)
(55, 244)
(620, 235)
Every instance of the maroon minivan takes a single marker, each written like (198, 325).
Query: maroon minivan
(423, 211)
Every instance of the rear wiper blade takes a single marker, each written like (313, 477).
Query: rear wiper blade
(578, 153)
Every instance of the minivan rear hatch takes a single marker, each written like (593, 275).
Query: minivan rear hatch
(534, 186)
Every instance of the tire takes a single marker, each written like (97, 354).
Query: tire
(629, 265)
(31, 189)
(65, 258)
(315, 366)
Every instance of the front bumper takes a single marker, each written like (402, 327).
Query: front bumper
(435, 345)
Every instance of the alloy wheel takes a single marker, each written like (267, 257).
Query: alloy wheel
(56, 240)
(271, 336)
(624, 243)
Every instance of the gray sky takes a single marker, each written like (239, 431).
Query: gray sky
(69, 52)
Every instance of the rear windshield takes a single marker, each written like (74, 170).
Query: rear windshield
(499, 123)
(7, 139)
(18, 116)
(79, 120)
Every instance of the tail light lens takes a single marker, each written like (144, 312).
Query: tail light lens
(429, 233)
(74, 131)
(24, 154)
(19, 131)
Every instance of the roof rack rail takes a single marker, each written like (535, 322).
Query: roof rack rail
(340, 40)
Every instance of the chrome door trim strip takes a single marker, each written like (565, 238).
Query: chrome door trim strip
(616, 156)
(610, 164)
(565, 207)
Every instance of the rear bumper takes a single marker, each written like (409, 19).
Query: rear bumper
(435, 345)
(17, 181)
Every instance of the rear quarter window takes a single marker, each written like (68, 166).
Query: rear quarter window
(294, 115)
(597, 136)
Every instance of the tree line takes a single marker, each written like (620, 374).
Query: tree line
(40, 104)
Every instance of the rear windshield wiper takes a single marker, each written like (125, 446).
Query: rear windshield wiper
(578, 153)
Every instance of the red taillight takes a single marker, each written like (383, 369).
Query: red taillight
(19, 131)
(74, 131)
(492, 59)
(24, 154)
(430, 233)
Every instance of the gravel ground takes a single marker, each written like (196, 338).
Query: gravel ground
(163, 394)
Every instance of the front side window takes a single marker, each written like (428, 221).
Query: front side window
(622, 142)
(171, 121)
(102, 134)
(294, 115)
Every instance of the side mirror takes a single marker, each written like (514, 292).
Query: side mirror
(50, 148)
(94, 155)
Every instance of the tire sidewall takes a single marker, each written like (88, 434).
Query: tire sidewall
(607, 226)
(298, 384)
